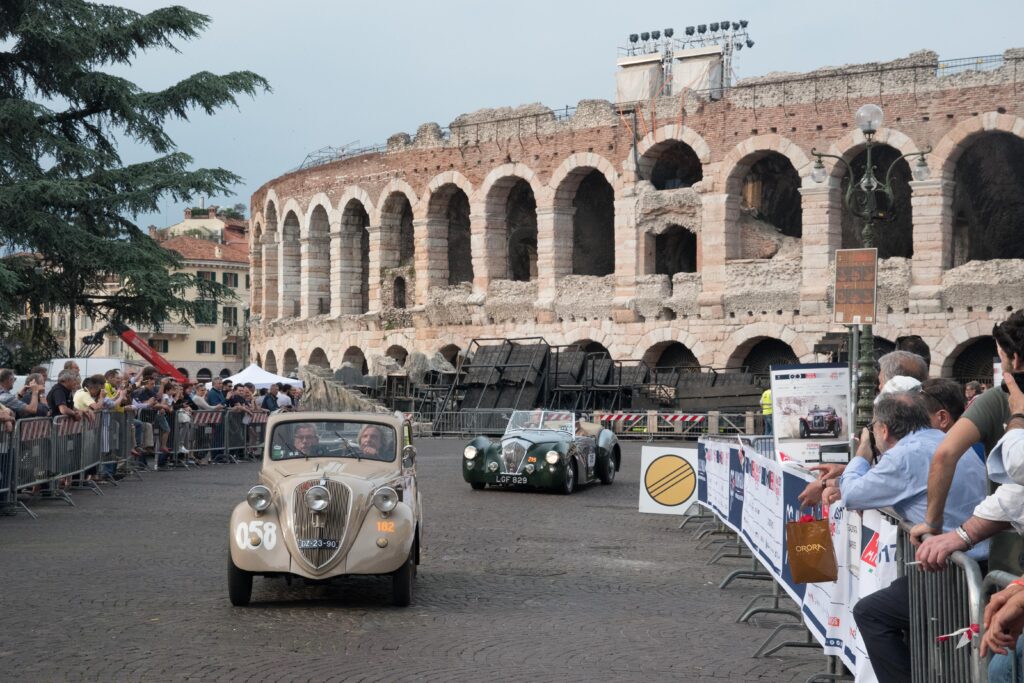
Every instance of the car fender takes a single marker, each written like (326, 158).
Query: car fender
(607, 441)
(398, 528)
(271, 553)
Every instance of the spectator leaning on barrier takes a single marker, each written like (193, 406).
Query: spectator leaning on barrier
(906, 438)
(61, 397)
(284, 397)
(270, 400)
(8, 398)
(33, 380)
(983, 421)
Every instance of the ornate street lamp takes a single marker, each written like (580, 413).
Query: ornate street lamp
(872, 201)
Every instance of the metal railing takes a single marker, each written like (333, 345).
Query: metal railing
(948, 67)
(7, 470)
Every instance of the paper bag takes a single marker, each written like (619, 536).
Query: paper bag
(812, 558)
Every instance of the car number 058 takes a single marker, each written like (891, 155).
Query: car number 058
(265, 532)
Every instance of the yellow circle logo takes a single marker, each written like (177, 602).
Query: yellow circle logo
(670, 480)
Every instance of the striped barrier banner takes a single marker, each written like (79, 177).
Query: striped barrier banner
(34, 429)
(208, 417)
(684, 418)
(68, 427)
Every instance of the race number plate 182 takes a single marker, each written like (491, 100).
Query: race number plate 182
(511, 479)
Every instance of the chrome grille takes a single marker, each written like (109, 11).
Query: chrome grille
(512, 454)
(334, 522)
(818, 422)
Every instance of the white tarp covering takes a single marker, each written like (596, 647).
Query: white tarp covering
(639, 78)
(697, 69)
(262, 379)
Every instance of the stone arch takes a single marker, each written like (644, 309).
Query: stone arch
(256, 261)
(289, 263)
(759, 353)
(675, 251)
(747, 336)
(322, 201)
(447, 178)
(664, 334)
(510, 204)
(204, 375)
(315, 259)
(450, 352)
(185, 372)
(350, 262)
(591, 346)
(355, 357)
(949, 348)
(587, 198)
(448, 229)
(270, 200)
(988, 199)
(394, 186)
(269, 257)
(954, 143)
(670, 354)
(270, 362)
(668, 134)
(973, 360)
(225, 373)
(360, 195)
(854, 142)
(291, 362)
(397, 237)
(398, 352)
(318, 357)
(400, 293)
(738, 161)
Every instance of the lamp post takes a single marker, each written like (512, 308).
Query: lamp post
(870, 200)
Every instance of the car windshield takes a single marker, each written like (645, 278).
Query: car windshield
(333, 439)
(554, 420)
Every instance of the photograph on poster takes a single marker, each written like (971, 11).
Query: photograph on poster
(810, 405)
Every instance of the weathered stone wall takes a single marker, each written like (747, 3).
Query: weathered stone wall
(751, 282)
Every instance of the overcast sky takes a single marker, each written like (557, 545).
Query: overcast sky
(343, 72)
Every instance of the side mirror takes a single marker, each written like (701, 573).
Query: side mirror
(408, 456)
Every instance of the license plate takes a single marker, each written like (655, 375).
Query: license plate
(313, 543)
(511, 479)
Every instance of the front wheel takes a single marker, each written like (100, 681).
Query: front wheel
(402, 580)
(803, 430)
(478, 485)
(607, 471)
(570, 477)
(239, 585)
(838, 429)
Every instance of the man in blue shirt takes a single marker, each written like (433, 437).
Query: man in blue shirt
(904, 437)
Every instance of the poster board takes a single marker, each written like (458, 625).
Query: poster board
(810, 408)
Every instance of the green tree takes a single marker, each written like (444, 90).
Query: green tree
(66, 196)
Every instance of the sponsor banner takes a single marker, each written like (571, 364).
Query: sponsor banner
(810, 407)
(759, 508)
(669, 479)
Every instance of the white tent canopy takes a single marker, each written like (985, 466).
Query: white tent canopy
(261, 379)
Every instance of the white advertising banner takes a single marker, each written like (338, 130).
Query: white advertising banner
(763, 516)
(810, 404)
(669, 479)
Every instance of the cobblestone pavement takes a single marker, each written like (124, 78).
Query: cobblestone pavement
(514, 586)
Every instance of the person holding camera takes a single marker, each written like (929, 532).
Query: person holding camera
(21, 408)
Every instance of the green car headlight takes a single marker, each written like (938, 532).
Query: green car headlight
(470, 452)
(552, 457)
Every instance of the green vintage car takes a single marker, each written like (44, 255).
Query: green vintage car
(547, 449)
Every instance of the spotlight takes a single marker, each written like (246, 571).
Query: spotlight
(714, 26)
(633, 38)
(669, 33)
(645, 36)
(702, 28)
(739, 46)
(743, 23)
(655, 34)
(750, 43)
(725, 25)
(735, 26)
(690, 30)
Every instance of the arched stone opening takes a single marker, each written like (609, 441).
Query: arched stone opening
(398, 292)
(988, 199)
(675, 251)
(893, 238)
(269, 251)
(590, 346)
(398, 353)
(771, 193)
(319, 358)
(593, 225)
(975, 361)
(259, 360)
(316, 264)
(672, 164)
(397, 246)
(352, 260)
(256, 257)
(270, 362)
(291, 362)
(521, 227)
(225, 373)
(760, 353)
(290, 271)
(450, 352)
(355, 356)
(204, 375)
(670, 354)
(450, 205)
(184, 372)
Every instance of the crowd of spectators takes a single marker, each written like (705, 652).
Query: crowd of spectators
(155, 406)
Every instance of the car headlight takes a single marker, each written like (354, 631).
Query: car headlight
(258, 498)
(552, 457)
(317, 498)
(492, 466)
(385, 499)
(470, 452)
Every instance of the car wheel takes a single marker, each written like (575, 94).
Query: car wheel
(607, 472)
(839, 428)
(402, 580)
(478, 485)
(239, 585)
(570, 477)
(803, 430)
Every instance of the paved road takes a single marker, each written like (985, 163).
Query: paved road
(513, 586)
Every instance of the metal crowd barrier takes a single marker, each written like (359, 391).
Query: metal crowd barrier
(942, 603)
(471, 422)
(203, 436)
(8, 496)
(996, 581)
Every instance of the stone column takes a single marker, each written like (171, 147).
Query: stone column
(288, 280)
(256, 280)
(821, 206)
(316, 276)
(932, 207)
(269, 289)
(431, 259)
(554, 255)
(719, 242)
(628, 253)
(376, 254)
(490, 247)
(346, 270)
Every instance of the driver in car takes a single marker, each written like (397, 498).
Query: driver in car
(306, 439)
(371, 441)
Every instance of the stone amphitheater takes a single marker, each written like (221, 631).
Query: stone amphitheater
(684, 230)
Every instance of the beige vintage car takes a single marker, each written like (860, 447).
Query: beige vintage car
(337, 496)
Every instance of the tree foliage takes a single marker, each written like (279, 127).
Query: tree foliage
(66, 196)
